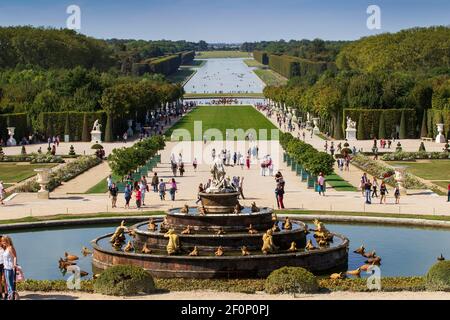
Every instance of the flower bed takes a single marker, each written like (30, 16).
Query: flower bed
(411, 156)
(385, 172)
(64, 174)
(33, 158)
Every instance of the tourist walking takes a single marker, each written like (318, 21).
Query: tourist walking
(2, 297)
(127, 194)
(155, 182)
(332, 148)
(2, 192)
(448, 193)
(181, 169)
(374, 187)
(162, 190)
(10, 266)
(113, 192)
(234, 158)
(362, 183)
(383, 192)
(109, 181)
(279, 193)
(397, 194)
(173, 189)
(174, 168)
(138, 195)
(247, 162)
(321, 184)
(194, 164)
(368, 190)
(143, 187)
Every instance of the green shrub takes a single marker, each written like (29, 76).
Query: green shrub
(403, 134)
(291, 280)
(438, 277)
(124, 280)
(97, 146)
(422, 147)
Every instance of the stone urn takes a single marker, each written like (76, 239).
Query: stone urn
(43, 180)
(440, 138)
(399, 177)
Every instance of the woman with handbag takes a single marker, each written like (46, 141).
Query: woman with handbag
(10, 265)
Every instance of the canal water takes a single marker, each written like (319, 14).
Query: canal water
(404, 251)
(224, 76)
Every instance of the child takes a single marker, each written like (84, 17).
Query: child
(162, 190)
(397, 194)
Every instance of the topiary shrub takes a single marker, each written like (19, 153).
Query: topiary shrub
(124, 280)
(72, 151)
(97, 146)
(291, 280)
(438, 277)
(422, 147)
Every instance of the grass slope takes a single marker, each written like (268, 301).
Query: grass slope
(429, 169)
(223, 118)
(270, 77)
(16, 172)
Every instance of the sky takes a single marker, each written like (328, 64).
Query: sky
(230, 21)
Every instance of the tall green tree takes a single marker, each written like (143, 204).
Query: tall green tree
(403, 133)
(424, 130)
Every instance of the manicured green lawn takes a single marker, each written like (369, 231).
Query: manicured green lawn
(252, 63)
(428, 169)
(221, 54)
(443, 184)
(12, 172)
(338, 183)
(223, 118)
(270, 77)
(101, 186)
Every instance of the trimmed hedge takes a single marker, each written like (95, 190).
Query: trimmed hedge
(306, 155)
(124, 280)
(371, 124)
(187, 57)
(261, 57)
(53, 123)
(289, 66)
(18, 120)
(435, 116)
(438, 277)
(165, 65)
(291, 280)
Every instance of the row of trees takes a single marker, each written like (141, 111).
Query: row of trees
(52, 48)
(125, 160)
(35, 91)
(370, 80)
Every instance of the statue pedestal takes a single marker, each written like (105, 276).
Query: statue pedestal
(66, 138)
(96, 136)
(350, 134)
(43, 194)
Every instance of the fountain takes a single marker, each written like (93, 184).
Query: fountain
(11, 141)
(221, 239)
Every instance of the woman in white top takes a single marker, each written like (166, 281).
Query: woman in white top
(10, 264)
(1, 269)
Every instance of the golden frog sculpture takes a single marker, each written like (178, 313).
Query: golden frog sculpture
(174, 242)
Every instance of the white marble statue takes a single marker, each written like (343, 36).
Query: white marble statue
(350, 123)
(96, 126)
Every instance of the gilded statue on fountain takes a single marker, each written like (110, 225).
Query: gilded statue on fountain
(173, 246)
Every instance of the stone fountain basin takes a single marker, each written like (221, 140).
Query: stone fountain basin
(331, 259)
(219, 202)
(229, 241)
(261, 220)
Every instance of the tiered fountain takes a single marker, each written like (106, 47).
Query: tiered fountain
(221, 239)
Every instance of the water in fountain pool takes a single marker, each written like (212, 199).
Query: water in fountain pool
(404, 251)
